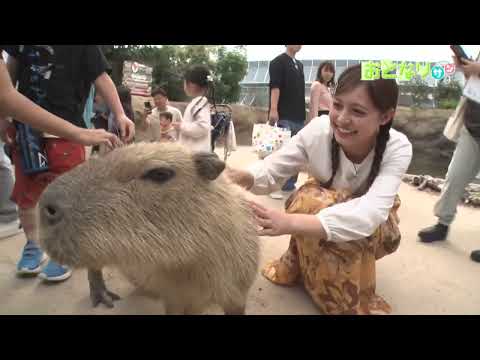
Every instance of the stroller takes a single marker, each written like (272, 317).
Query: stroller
(222, 128)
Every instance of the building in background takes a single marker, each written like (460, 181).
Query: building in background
(254, 87)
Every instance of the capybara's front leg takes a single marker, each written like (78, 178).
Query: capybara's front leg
(235, 307)
(240, 310)
(98, 291)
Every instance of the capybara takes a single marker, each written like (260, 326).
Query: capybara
(165, 217)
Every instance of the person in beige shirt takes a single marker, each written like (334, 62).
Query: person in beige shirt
(160, 99)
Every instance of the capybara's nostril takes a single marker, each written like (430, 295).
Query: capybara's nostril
(52, 213)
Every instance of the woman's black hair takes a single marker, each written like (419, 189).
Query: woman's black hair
(384, 95)
(198, 75)
(330, 66)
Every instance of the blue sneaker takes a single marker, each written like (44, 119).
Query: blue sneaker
(55, 272)
(31, 260)
(290, 185)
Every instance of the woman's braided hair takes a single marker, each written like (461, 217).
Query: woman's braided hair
(384, 95)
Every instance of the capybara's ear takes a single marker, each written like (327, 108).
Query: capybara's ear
(159, 175)
(209, 166)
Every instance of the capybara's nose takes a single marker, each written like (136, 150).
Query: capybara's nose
(52, 212)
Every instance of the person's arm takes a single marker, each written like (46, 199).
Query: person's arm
(94, 70)
(200, 126)
(12, 66)
(14, 104)
(268, 175)
(275, 222)
(351, 220)
(314, 96)
(274, 96)
(468, 67)
(152, 116)
(276, 80)
(107, 89)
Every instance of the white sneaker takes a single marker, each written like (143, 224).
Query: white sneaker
(277, 195)
(10, 229)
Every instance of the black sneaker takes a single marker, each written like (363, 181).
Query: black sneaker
(437, 232)
(475, 256)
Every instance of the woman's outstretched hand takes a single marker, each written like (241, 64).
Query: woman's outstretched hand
(277, 222)
(272, 222)
(239, 177)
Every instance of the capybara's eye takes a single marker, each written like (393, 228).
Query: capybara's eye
(50, 210)
(159, 175)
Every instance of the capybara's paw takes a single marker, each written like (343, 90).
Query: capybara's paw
(103, 296)
(279, 273)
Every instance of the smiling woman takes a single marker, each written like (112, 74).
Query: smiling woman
(345, 217)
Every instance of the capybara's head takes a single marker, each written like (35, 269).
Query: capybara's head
(130, 205)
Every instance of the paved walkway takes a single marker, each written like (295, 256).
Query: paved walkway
(417, 279)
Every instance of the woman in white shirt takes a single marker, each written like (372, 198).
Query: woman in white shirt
(195, 129)
(336, 237)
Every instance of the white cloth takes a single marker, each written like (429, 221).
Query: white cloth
(455, 122)
(231, 141)
(472, 89)
(311, 148)
(195, 133)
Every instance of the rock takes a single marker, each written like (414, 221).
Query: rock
(427, 182)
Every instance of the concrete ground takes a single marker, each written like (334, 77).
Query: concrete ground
(417, 279)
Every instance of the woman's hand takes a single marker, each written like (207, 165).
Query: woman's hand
(470, 68)
(273, 222)
(239, 177)
(467, 67)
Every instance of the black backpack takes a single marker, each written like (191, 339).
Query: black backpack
(221, 117)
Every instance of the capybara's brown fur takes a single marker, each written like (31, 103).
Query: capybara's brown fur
(165, 217)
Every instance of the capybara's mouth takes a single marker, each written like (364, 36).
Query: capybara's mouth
(59, 255)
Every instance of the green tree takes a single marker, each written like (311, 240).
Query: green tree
(231, 68)
(170, 62)
(419, 91)
(447, 95)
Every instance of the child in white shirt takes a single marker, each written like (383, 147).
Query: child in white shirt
(195, 129)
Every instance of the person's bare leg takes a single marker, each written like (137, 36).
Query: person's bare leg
(32, 256)
(28, 219)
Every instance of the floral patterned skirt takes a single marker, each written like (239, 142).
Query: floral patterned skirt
(340, 277)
